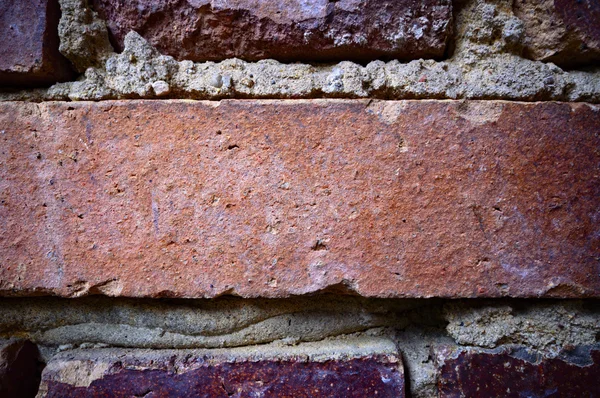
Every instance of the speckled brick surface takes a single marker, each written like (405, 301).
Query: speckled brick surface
(277, 198)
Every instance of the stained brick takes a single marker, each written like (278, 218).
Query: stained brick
(265, 372)
(565, 32)
(516, 372)
(277, 198)
(29, 43)
(286, 30)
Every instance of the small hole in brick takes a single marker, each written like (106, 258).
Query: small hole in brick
(319, 245)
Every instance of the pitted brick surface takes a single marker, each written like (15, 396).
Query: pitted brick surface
(277, 198)
(286, 30)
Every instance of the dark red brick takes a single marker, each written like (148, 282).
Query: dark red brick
(277, 198)
(29, 44)
(515, 372)
(122, 373)
(20, 369)
(314, 30)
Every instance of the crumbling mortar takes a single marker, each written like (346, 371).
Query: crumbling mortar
(486, 64)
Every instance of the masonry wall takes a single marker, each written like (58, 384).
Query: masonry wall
(281, 198)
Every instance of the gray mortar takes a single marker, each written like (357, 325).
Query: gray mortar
(342, 348)
(416, 326)
(546, 326)
(83, 36)
(195, 323)
(486, 64)
(416, 344)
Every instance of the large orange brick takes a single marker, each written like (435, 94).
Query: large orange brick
(276, 198)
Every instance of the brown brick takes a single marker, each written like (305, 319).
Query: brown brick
(517, 372)
(258, 371)
(320, 30)
(566, 32)
(277, 198)
(29, 44)
(20, 369)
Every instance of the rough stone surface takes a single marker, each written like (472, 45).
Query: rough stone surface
(278, 198)
(286, 30)
(83, 36)
(566, 32)
(486, 64)
(546, 326)
(518, 372)
(353, 368)
(20, 369)
(140, 69)
(29, 44)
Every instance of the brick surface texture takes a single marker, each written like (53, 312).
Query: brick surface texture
(275, 198)
(252, 246)
(286, 30)
(516, 373)
(122, 373)
(566, 32)
(29, 43)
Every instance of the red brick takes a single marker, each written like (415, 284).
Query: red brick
(29, 46)
(277, 198)
(320, 30)
(566, 32)
(222, 373)
(516, 372)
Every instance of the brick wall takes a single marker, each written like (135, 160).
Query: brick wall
(348, 198)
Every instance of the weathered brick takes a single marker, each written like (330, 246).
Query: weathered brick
(265, 371)
(276, 198)
(20, 369)
(29, 43)
(516, 372)
(566, 32)
(320, 30)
